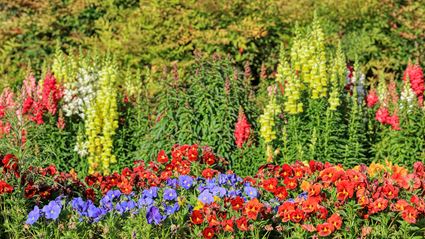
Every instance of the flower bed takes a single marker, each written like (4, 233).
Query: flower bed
(183, 196)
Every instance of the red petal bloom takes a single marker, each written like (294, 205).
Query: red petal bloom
(400, 205)
(281, 193)
(419, 203)
(409, 214)
(310, 205)
(237, 203)
(389, 191)
(209, 158)
(323, 213)
(227, 225)
(242, 224)
(270, 184)
(212, 221)
(208, 173)
(325, 229)
(382, 115)
(192, 154)
(162, 157)
(372, 98)
(291, 183)
(379, 205)
(242, 129)
(336, 221)
(297, 215)
(252, 208)
(286, 171)
(197, 217)
(314, 190)
(345, 190)
(208, 233)
(5, 187)
(416, 77)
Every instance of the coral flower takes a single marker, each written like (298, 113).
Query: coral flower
(270, 184)
(379, 205)
(242, 224)
(297, 215)
(345, 190)
(325, 229)
(416, 77)
(400, 205)
(242, 130)
(281, 193)
(227, 225)
(291, 183)
(162, 157)
(197, 217)
(336, 221)
(372, 98)
(409, 214)
(252, 208)
(382, 115)
(309, 205)
(389, 191)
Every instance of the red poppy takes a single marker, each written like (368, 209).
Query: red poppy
(237, 203)
(281, 193)
(162, 157)
(336, 221)
(409, 214)
(297, 215)
(197, 217)
(242, 224)
(291, 183)
(208, 233)
(270, 184)
(325, 229)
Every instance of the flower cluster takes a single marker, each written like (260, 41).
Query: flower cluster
(416, 77)
(313, 195)
(242, 130)
(102, 121)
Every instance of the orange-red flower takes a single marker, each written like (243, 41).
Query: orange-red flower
(400, 205)
(242, 224)
(162, 157)
(297, 215)
(227, 225)
(409, 214)
(345, 190)
(390, 191)
(237, 203)
(335, 220)
(310, 205)
(378, 205)
(281, 193)
(270, 184)
(252, 208)
(314, 190)
(291, 183)
(325, 229)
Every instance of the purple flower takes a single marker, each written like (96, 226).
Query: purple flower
(250, 192)
(52, 210)
(112, 194)
(93, 211)
(172, 209)
(172, 182)
(153, 215)
(234, 193)
(150, 193)
(218, 191)
(33, 216)
(170, 194)
(206, 197)
(144, 202)
(185, 181)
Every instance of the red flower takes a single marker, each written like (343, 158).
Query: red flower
(409, 214)
(299, 173)
(325, 229)
(281, 193)
(197, 217)
(297, 215)
(5, 187)
(51, 170)
(270, 184)
(237, 203)
(242, 224)
(322, 213)
(314, 190)
(419, 203)
(192, 153)
(208, 233)
(372, 98)
(30, 191)
(90, 194)
(389, 191)
(162, 157)
(336, 221)
(284, 211)
(416, 77)
(208, 158)
(242, 129)
(382, 115)
(286, 171)
(208, 173)
(379, 205)
(252, 208)
(400, 205)
(345, 190)
(291, 183)
(394, 121)
(212, 221)
(227, 225)
(310, 205)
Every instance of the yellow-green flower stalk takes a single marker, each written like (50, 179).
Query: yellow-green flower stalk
(267, 122)
(102, 121)
(336, 79)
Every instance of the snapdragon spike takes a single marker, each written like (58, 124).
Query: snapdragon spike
(242, 130)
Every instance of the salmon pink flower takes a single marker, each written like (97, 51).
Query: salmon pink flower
(242, 129)
(416, 77)
(372, 98)
(336, 221)
(382, 115)
(409, 214)
(325, 229)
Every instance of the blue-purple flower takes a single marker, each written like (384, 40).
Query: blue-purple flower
(185, 181)
(250, 192)
(52, 210)
(169, 210)
(33, 216)
(153, 215)
(170, 194)
(206, 197)
(150, 193)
